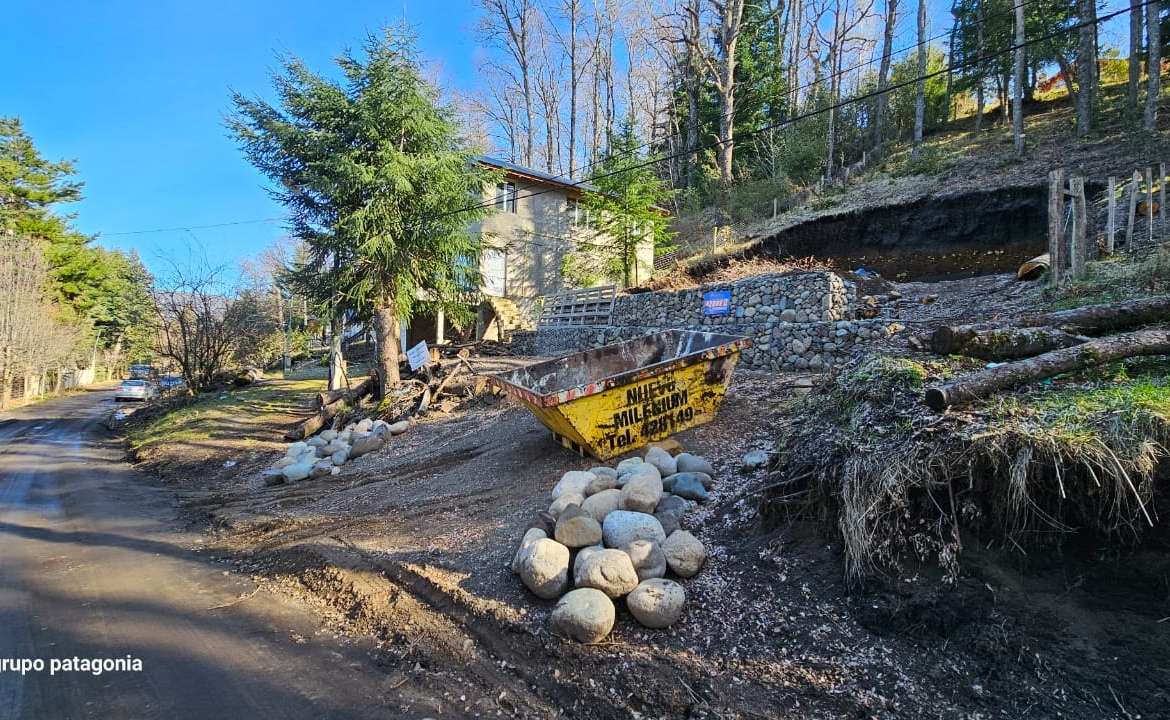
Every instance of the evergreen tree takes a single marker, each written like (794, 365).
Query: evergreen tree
(376, 177)
(625, 208)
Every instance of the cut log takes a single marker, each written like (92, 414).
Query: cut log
(1107, 317)
(1000, 343)
(1089, 354)
(1050, 331)
(329, 408)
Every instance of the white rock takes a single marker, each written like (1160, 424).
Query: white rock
(684, 553)
(296, 449)
(558, 506)
(328, 435)
(755, 460)
(577, 528)
(584, 553)
(602, 504)
(657, 603)
(585, 615)
(544, 568)
(600, 483)
(687, 462)
(364, 426)
(623, 527)
(574, 481)
(642, 493)
(366, 443)
(297, 471)
(662, 460)
(340, 457)
(610, 571)
(321, 469)
(530, 537)
(399, 427)
(628, 464)
(284, 462)
(648, 560)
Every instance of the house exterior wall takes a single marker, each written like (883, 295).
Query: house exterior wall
(537, 237)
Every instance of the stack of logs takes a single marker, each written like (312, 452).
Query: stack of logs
(440, 385)
(1046, 345)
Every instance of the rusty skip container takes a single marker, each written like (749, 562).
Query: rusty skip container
(608, 401)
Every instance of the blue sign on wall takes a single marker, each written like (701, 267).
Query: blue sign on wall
(716, 302)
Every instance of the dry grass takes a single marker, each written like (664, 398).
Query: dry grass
(1079, 456)
(734, 268)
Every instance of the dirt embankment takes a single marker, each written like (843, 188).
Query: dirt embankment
(411, 546)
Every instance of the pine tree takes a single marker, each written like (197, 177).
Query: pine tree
(377, 179)
(625, 208)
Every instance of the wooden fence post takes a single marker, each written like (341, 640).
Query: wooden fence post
(1150, 204)
(1162, 195)
(1056, 227)
(1111, 218)
(1079, 241)
(1133, 190)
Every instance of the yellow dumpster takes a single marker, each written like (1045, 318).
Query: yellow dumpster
(616, 398)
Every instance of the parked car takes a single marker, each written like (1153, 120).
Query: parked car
(171, 383)
(143, 372)
(136, 390)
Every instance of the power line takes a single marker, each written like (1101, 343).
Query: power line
(189, 228)
(835, 106)
(567, 175)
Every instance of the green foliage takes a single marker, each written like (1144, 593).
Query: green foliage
(375, 174)
(106, 289)
(625, 208)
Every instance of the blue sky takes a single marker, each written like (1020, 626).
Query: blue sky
(136, 93)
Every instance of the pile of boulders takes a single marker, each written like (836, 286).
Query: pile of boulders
(617, 532)
(325, 453)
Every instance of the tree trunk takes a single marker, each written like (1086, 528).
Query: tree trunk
(1153, 64)
(330, 404)
(999, 343)
(574, 8)
(730, 25)
(387, 330)
(1018, 89)
(336, 358)
(1095, 352)
(1107, 317)
(1086, 67)
(1135, 58)
(979, 99)
(883, 101)
(920, 86)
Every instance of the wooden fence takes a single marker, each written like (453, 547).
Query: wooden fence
(1142, 196)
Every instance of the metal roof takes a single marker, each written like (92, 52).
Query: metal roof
(537, 175)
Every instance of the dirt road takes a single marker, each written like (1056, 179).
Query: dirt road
(94, 566)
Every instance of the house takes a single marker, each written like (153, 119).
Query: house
(537, 220)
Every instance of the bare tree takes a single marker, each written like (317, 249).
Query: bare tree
(920, 88)
(1153, 64)
(1135, 60)
(883, 100)
(1086, 65)
(1018, 80)
(201, 321)
(510, 24)
(730, 14)
(32, 338)
(845, 20)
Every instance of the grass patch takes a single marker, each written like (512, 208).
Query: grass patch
(1076, 456)
(217, 416)
(1116, 278)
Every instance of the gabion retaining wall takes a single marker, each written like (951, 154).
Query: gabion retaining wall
(776, 346)
(796, 321)
(792, 297)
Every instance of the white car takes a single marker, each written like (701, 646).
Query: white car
(136, 390)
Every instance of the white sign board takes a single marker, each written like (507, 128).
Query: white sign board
(418, 355)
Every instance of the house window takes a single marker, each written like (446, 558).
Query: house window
(578, 215)
(506, 196)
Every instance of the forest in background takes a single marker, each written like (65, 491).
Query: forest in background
(771, 96)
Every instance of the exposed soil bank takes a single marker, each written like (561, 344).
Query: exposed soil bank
(931, 238)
